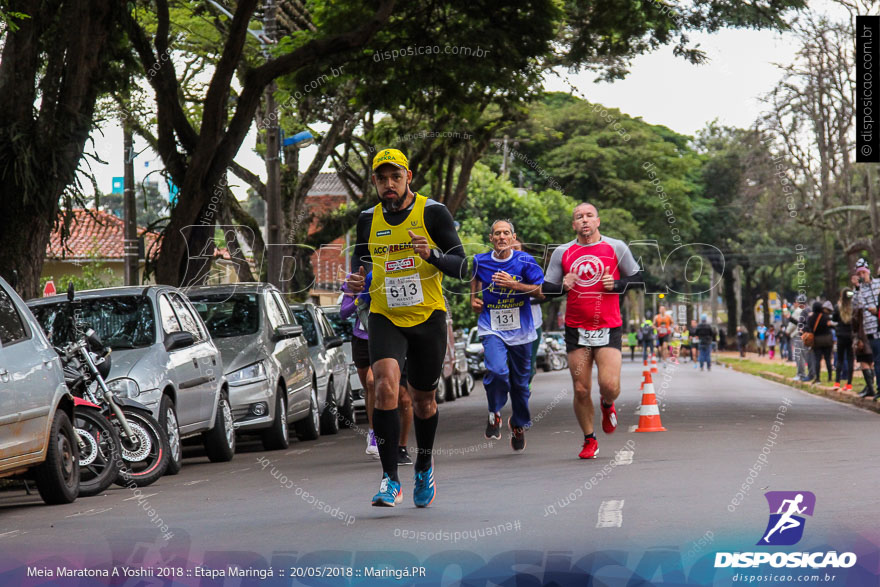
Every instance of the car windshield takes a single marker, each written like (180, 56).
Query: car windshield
(228, 315)
(122, 322)
(305, 318)
(342, 327)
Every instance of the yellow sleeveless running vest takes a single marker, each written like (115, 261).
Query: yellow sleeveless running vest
(405, 288)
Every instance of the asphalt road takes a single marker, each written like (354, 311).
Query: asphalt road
(675, 489)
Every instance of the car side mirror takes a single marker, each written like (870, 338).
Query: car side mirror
(288, 331)
(331, 342)
(179, 340)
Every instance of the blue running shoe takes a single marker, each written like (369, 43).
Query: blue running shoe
(425, 490)
(389, 493)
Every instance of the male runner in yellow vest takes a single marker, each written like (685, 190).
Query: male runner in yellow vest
(408, 241)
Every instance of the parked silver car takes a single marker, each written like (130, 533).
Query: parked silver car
(344, 327)
(36, 409)
(266, 360)
(331, 368)
(163, 357)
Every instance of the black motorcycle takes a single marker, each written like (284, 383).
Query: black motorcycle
(134, 448)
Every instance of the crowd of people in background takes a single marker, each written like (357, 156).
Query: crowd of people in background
(842, 335)
(675, 343)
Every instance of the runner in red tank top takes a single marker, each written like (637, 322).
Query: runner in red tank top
(593, 270)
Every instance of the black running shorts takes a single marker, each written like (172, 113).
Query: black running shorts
(360, 352)
(422, 347)
(572, 336)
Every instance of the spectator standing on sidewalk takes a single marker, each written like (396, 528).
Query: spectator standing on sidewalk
(842, 321)
(818, 324)
(761, 339)
(742, 339)
(867, 291)
(802, 356)
(771, 341)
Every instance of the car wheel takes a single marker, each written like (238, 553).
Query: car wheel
(468, 383)
(330, 417)
(58, 477)
(346, 411)
(220, 440)
(309, 427)
(276, 438)
(168, 421)
(441, 391)
(449, 384)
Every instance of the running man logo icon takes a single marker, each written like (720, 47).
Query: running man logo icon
(786, 525)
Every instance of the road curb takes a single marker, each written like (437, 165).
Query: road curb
(829, 392)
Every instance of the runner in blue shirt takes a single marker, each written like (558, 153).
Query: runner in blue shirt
(506, 278)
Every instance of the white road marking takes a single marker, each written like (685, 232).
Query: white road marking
(140, 497)
(610, 514)
(188, 483)
(240, 470)
(10, 534)
(299, 451)
(633, 427)
(91, 512)
(623, 457)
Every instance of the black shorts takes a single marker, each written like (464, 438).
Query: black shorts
(572, 335)
(420, 349)
(360, 352)
(661, 340)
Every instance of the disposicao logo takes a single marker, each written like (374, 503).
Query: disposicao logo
(786, 528)
(786, 525)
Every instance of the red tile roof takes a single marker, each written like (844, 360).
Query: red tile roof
(93, 233)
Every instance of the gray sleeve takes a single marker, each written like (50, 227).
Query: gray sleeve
(554, 272)
(626, 263)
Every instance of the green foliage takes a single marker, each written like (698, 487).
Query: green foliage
(95, 275)
(539, 219)
(604, 35)
(150, 206)
(627, 168)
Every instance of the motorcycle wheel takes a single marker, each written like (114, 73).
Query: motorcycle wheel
(145, 462)
(99, 454)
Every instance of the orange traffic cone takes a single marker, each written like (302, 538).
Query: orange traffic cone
(653, 365)
(649, 411)
(646, 376)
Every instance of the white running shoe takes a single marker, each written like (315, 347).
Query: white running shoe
(372, 448)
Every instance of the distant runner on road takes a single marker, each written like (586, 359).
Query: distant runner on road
(592, 270)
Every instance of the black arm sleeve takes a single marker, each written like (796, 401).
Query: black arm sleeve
(360, 256)
(552, 290)
(621, 284)
(452, 261)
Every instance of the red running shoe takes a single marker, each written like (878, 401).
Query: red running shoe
(590, 450)
(609, 418)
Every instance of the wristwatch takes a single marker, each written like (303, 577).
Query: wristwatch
(435, 254)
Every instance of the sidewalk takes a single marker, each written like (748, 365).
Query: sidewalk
(782, 372)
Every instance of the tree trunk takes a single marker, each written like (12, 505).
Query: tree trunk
(23, 240)
(730, 302)
(40, 150)
(748, 303)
